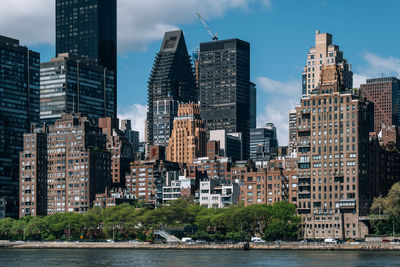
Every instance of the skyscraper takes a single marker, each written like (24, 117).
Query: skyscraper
(72, 84)
(171, 81)
(262, 140)
(384, 93)
(88, 28)
(322, 54)
(224, 86)
(332, 154)
(253, 105)
(19, 107)
(188, 137)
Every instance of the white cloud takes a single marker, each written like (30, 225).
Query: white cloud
(376, 66)
(282, 97)
(32, 22)
(137, 113)
(139, 22)
(277, 87)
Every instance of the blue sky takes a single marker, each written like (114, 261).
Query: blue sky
(280, 33)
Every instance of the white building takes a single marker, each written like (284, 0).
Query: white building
(214, 194)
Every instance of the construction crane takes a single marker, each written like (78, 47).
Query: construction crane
(214, 36)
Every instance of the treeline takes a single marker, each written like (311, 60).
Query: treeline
(385, 212)
(125, 222)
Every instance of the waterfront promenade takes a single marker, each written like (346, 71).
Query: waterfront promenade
(367, 246)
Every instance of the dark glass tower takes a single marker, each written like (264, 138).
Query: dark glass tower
(88, 28)
(19, 107)
(224, 86)
(74, 84)
(171, 82)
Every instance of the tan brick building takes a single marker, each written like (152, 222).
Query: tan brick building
(254, 188)
(33, 174)
(332, 144)
(384, 93)
(324, 53)
(188, 137)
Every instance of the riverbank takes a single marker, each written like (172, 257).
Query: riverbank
(366, 246)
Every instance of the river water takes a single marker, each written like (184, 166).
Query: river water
(127, 257)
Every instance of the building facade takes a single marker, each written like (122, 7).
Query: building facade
(171, 82)
(188, 137)
(121, 150)
(215, 194)
(224, 86)
(262, 140)
(33, 174)
(322, 54)
(292, 131)
(253, 105)
(230, 144)
(147, 177)
(254, 189)
(384, 93)
(78, 164)
(332, 144)
(19, 108)
(89, 29)
(74, 84)
(133, 136)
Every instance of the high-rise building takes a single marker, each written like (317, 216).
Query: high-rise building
(262, 140)
(253, 105)
(188, 137)
(384, 93)
(292, 131)
(171, 82)
(33, 174)
(322, 54)
(122, 153)
(133, 136)
(78, 164)
(89, 29)
(224, 86)
(332, 154)
(73, 84)
(19, 107)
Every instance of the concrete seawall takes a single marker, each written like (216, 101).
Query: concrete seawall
(253, 246)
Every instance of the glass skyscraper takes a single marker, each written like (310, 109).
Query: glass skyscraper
(74, 84)
(88, 28)
(19, 107)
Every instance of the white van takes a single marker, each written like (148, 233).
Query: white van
(257, 240)
(187, 240)
(330, 241)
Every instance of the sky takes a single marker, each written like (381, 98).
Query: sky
(280, 33)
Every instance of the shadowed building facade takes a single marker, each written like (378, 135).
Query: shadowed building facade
(19, 107)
